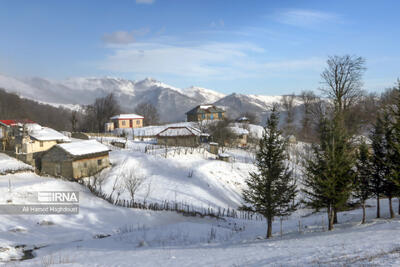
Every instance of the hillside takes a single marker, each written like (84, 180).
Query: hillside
(114, 236)
(13, 106)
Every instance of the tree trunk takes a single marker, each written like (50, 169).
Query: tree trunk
(398, 204)
(269, 229)
(330, 218)
(378, 207)
(391, 208)
(335, 220)
(363, 217)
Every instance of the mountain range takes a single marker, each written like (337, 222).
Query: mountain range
(171, 102)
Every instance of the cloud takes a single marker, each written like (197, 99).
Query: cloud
(119, 37)
(216, 24)
(305, 18)
(124, 37)
(212, 60)
(148, 2)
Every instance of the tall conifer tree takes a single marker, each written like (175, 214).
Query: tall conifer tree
(272, 189)
(362, 186)
(329, 175)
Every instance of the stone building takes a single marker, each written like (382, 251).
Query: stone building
(76, 160)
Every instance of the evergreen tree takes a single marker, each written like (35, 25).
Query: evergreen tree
(329, 175)
(378, 161)
(390, 164)
(272, 189)
(362, 185)
(395, 144)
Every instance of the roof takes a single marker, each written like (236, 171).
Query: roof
(205, 108)
(238, 130)
(244, 118)
(9, 123)
(126, 116)
(82, 148)
(44, 133)
(180, 131)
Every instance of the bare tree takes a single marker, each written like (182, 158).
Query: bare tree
(149, 112)
(287, 103)
(309, 99)
(342, 80)
(221, 133)
(98, 113)
(133, 181)
(74, 120)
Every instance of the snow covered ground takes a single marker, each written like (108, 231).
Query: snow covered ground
(106, 235)
(9, 164)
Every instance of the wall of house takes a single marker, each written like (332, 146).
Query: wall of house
(61, 168)
(34, 146)
(89, 166)
(187, 141)
(205, 116)
(136, 123)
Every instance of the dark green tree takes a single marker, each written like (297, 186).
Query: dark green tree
(379, 157)
(390, 161)
(394, 143)
(272, 189)
(328, 173)
(363, 177)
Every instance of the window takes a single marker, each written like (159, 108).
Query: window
(212, 116)
(219, 115)
(137, 122)
(123, 123)
(41, 144)
(85, 165)
(99, 161)
(203, 116)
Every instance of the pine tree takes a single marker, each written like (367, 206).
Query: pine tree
(395, 144)
(329, 175)
(272, 189)
(378, 161)
(390, 169)
(362, 185)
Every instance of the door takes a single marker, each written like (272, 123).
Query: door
(130, 123)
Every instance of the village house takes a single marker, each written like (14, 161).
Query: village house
(205, 113)
(181, 136)
(26, 140)
(76, 160)
(241, 136)
(124, 121)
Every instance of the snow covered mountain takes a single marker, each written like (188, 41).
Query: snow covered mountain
(171, 102)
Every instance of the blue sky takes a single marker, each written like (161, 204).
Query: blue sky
(257, 47)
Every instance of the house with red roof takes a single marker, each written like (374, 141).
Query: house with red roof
(27, 140)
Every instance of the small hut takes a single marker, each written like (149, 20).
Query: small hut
(180, 136)
(76, 160)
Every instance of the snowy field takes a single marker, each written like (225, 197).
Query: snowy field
(9, 165)
(106, 235)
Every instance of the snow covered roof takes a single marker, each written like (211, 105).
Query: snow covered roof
(81, 148)
(241, 119)
(181, 131)
(126, 117)
(44, 133)
(205, 108)
(238, 130)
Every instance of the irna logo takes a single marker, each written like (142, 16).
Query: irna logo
(59, 197)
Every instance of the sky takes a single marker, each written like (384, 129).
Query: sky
(253, 47)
